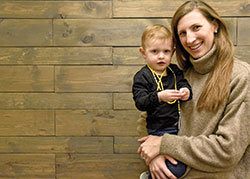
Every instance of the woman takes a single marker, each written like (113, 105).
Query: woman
(214, 136)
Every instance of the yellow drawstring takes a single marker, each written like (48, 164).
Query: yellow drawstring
(161, 88)
(159, 82)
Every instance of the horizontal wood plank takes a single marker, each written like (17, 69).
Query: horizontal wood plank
(96, 32)
(54, 9)
(99, 166)
(56, 55)
(127, 55)
(90, 145)
(27, 166)
(243, 53)
(55, 101)
(26, 123)
(94, 78)
(98, 122)
(159, 8)
(123, 101)
(25, 32)
(126, 145)
(243, 31)
(27, 78)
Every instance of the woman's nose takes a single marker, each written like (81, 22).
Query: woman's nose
(190, 38)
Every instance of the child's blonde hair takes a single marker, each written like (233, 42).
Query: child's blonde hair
(155, 31)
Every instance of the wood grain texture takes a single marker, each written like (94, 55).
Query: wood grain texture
(96, 123)
(243, 31)
(123, 101)
(94, 78)
(55, 9)
(56, 55)
(26, 123)
(161, 8)
(27, 166)
(96, 32)
(128, 55)
(89, 145)
(26, 78)
(126, 145)
(99, 166)
(66, 69)
(55, 101)
(243, 53)
(25, 32)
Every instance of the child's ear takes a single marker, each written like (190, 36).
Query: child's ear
(142, 52)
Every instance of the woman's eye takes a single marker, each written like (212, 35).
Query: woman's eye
(182, 34)
(197, 27)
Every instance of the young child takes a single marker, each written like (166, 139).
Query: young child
(159, 85)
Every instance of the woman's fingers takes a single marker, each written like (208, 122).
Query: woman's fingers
(143, 139)
(171, 160)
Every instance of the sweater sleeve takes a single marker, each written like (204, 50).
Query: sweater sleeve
(222, 149)
(144, 95)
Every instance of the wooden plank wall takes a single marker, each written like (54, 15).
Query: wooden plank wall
(66, 67)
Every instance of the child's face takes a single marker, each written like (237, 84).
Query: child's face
(158, 53)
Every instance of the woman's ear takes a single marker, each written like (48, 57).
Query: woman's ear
(216, 25)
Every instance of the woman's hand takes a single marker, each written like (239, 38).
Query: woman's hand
(158, 167)
(149, 148)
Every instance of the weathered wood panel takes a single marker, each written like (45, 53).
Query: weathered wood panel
(27, 78)
(243, 31)
(95, 32)
(56, 55)
(55, 101)
(25, 32)
(94, 78)
(243, 53)
(126, 145)
(26, 123)
(232, 27)
(105, 32)
(123, 101)
(129, 55)
(91, 145)
(163, 8)
(96, 123)
(27, 166)
(60, 9)
(99, 166)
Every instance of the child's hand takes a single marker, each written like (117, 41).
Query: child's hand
(185, 93)
(169, 95)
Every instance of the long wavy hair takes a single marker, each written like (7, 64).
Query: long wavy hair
(216, 88)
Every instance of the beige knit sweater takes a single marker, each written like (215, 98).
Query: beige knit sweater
(214, 145)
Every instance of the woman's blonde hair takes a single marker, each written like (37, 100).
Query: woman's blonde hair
(216, 89)
(157, 31)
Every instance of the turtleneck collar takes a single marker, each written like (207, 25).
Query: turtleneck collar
(204, 64)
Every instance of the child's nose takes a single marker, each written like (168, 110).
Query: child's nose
(161, 55)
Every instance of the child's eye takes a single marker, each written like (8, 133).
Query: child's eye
(166, 51)
(154, 51)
